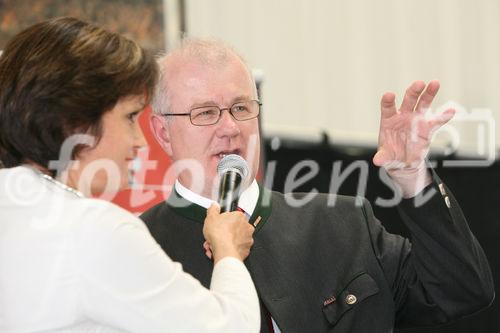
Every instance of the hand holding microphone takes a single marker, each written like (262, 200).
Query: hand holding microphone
(227, 232)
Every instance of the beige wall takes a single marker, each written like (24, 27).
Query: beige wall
(327, 62)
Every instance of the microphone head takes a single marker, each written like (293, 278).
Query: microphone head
(233, 162)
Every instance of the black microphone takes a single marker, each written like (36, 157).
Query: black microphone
(232, 169)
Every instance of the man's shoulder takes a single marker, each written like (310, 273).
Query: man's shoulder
(311, 200)
(155, 213)
(321, 211)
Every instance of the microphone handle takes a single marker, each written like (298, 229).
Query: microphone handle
(229, 191)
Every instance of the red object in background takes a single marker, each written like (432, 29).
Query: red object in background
(153, 183)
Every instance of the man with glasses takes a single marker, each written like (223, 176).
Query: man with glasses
(210, 115)
(318, 267)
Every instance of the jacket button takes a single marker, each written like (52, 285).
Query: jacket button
(441, 189)
(351, 299)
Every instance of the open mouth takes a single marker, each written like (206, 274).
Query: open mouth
(228, 152)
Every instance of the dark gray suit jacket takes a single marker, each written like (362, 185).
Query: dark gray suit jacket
(324, 268)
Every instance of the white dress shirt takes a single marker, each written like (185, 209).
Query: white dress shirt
(72, 264)
(247, 201)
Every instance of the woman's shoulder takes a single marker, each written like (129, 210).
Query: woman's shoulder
(100, 224)
(104, 212)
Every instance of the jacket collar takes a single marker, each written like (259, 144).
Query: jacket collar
(198, 213)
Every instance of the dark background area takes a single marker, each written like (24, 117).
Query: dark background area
(477, 189)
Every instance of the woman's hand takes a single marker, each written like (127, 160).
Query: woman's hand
(227, 234)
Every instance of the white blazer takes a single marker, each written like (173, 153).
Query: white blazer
(72, 264)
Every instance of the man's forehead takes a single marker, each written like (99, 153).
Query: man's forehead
(197, 70)
(196, 85)
(218, 100)
(222, 98)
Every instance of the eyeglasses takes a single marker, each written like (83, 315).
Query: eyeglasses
(209, 115)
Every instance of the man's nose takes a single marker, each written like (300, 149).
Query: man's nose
(227, 125)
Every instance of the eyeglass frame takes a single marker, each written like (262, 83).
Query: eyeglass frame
(259, 103)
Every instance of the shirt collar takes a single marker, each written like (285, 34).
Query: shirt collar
(247, 202)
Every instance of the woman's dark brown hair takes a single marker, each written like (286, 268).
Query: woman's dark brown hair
(57, 78)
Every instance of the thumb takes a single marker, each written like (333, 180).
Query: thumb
(381, 157)
(214, 209)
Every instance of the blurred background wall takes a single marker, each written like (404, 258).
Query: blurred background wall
(141, 20)
(326, 63)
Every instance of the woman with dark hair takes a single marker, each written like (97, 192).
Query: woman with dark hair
(70, 95)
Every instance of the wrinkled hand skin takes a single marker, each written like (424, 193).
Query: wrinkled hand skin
(405, 133)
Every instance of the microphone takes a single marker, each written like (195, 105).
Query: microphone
(232, 169)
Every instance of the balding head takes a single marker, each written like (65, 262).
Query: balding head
(206, 54)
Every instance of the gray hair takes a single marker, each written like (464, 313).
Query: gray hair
(207, 51)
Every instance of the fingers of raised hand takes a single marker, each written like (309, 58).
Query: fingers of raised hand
(442, 118)
(424, 127)
(388, 105)
(425, 101)
(411, 96)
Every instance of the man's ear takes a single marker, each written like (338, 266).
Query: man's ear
(162, 133)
